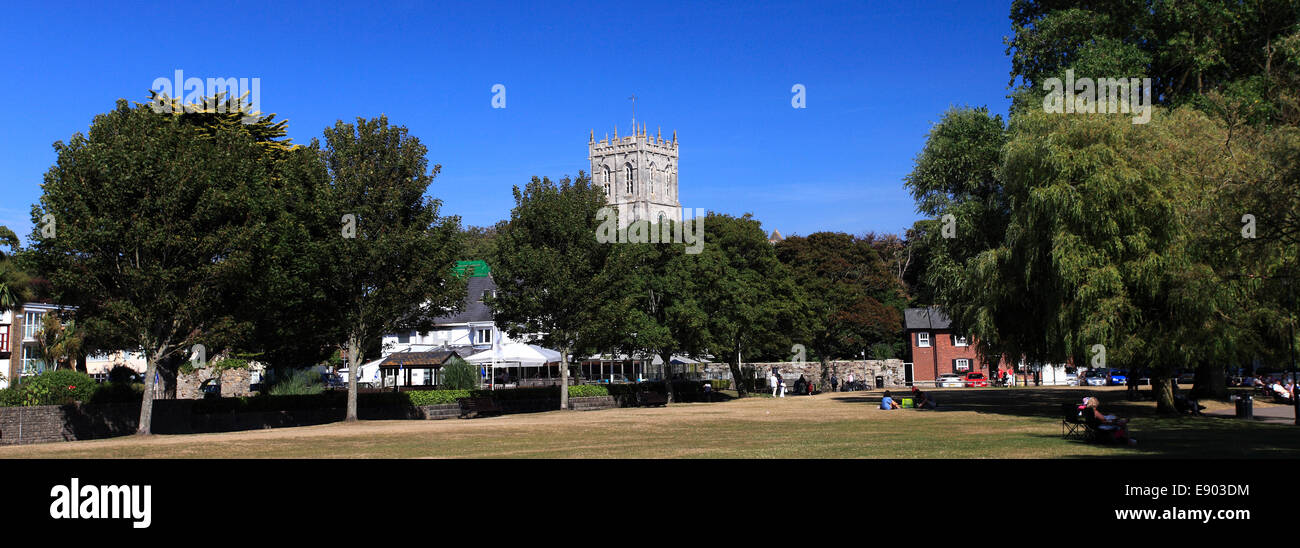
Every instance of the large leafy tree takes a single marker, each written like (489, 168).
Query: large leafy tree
(158, 222)
(15, 284)
(852, 301)
(394, 253)
(957, 182)
(752, 302)
(650, 298)
(549, 266)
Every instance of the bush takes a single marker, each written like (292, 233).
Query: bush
(58, 387)
(458, 374)
(720, 384)
(297, 382)
(435, 397)
(587, 391)
(118, 392)
(11, 396)
(122, 374)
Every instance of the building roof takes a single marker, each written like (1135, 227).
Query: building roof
(473, 269)
(435, 358)
(474, 309)
(926, 318)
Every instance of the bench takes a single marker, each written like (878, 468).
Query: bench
(477, 407)
(647, 399)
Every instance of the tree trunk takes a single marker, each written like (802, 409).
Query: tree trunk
(668, 382)
(146, 401)
(1211, 382)
(354, 370)
(826, 373)
(1163, 390)
(564, 378)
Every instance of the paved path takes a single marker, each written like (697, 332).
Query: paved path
(1280, 415)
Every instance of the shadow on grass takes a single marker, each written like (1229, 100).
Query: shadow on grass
(1157, 435)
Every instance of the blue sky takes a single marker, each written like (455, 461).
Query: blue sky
(877, 76)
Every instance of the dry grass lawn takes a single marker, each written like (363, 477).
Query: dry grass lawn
(971, 423)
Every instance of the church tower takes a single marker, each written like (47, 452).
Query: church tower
(638, 174)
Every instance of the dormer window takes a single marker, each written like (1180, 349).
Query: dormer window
(959, 340)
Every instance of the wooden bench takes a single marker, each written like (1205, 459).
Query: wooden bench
(477, 407)
(647, 399)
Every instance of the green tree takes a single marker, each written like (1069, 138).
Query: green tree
(158, 224)
(853, 302)
(58, 344)
(751, 299)
(458, 374)
(649, 298)
(548, 265)
(394, 251)
(15, 284)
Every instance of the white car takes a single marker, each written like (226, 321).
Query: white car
(1095, 378)
(1071, 379)
(950, 380)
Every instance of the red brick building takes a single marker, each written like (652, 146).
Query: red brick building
(936, 348)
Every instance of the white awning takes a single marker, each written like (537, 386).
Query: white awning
(516, 354)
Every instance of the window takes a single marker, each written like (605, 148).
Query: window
(404, 338)
(961, 364)
(32, 364)
(483, 336)
(960, 341)
(628, 177)
(923, 339)
(32, 324)
(607, 189)
(607, 176)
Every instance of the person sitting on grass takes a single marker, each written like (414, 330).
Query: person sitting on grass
(887, 403)
(924, 400)
(1108, 425)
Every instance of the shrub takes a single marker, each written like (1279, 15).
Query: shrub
(11, 396)
(122, 374)
(458, 374)
(435, 397)
(58, 387)
(118, 392)
(587, 391)
(720, 384)
(297, 382)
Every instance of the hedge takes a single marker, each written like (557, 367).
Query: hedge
(339, 398)
(63, 386)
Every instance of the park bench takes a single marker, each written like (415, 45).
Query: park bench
(475, 407)
(647, 399)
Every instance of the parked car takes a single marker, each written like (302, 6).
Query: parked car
(976, 379)
(1117, 377)
(1187, 378)
(1095, 378)
(1071, 379)
(950, 380)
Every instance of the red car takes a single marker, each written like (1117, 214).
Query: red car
(976, 379)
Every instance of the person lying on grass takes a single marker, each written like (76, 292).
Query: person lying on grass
(1110, 425)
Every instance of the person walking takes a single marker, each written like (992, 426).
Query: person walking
(771, 381)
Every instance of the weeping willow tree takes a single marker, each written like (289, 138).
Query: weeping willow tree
(1105, 259)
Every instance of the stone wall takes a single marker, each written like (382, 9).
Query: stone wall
(862, 370)
(234, 383)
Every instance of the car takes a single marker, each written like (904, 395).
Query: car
(950, 380)
(1095, 378)
(976, 379)
(1117, 377)
(1071, 379)
(1187, 378)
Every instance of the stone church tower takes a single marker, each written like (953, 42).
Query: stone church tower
(638, 173)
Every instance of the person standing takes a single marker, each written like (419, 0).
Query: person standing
(780, 383)
(835, 383)
(849, 385)
(771, 380)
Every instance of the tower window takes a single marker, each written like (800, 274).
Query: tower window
(630, 186)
